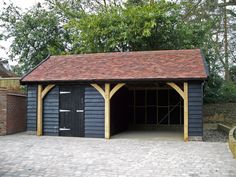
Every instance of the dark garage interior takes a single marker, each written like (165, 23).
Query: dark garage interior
(146, 107)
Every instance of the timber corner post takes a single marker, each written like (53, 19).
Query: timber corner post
(107, 95)
(184, 94)
(41, 94)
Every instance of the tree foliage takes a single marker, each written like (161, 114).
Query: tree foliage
(77, 26)
(36, 34)
(233, 73)
(89, 26)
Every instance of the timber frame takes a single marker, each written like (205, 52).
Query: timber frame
(42, 92)
(184, 94)
(107, 95)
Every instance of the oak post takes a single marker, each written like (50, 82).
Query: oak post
(184, 94)
(107, 111)
(41, 94)
(40, 111)
(185, 111)
(107, 95)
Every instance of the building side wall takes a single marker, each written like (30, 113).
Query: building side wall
(16, 113)
(195, 109)
(94, 111)
(31, 107)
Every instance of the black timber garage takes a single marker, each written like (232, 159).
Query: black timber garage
(100, 95)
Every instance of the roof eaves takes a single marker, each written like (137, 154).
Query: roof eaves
(116, 80)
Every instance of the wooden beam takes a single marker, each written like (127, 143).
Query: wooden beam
(40, 111)
(47, 89)
(107, 95)
(177, 88)
(185, 111)
(115, 89)
(184, 95)
(99, 89)
(107, 111)
(41, 94)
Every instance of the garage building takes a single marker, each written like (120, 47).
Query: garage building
(100, 95)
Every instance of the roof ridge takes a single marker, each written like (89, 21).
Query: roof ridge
(127, 52)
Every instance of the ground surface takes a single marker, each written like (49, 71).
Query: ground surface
(215, 136)
(27, 155)
(160, 134)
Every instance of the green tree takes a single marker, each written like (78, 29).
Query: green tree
(213, 87)
(233, 73)
(88, 26)
(36, 34)
(149, 26)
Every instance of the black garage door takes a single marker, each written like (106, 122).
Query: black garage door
(71, 110)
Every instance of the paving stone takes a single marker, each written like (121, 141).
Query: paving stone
(24, 155)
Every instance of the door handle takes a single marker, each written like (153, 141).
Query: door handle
(79, 110)
(64, 110)
(64, 92)
(64, 129)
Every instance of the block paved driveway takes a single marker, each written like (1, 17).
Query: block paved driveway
(28, 155)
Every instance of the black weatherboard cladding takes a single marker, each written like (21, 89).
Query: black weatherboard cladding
(31, 107)
(195, 109)
(94, 113)
(51, 112)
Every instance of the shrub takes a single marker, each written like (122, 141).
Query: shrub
(217, 90)
(212, 91)
(228, 92)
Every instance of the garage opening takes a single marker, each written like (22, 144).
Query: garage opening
(147, 111)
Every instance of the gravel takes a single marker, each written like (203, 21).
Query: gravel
(215, 136)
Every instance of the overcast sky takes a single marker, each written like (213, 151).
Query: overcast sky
(24, 4)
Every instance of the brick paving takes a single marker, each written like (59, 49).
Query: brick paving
(24, 155)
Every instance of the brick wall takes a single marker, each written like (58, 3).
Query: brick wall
(12, 112)
(222, 112)
(16, 113)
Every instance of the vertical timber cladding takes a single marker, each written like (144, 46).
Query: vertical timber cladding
(195, 109)
(94, 113)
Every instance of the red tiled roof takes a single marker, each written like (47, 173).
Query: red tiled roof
(145, 65)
